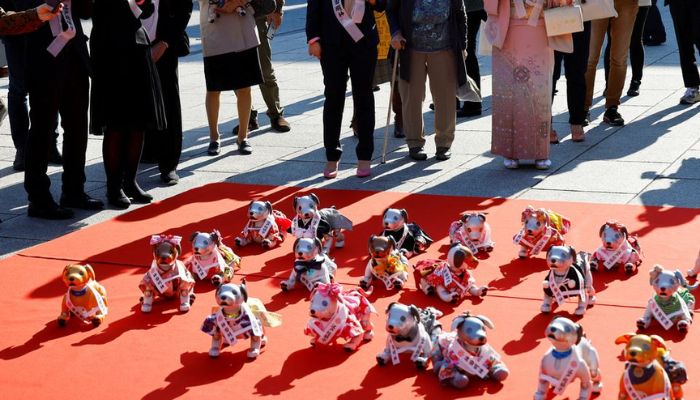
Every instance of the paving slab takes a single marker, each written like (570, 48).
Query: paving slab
(576, 196)
(670, 192)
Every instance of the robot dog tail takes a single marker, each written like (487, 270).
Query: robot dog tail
(684, 282)
(428, 318)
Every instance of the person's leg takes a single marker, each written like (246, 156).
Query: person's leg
(443, 86)
(170, 139)
(362, 64)
(39, 139)
(17, 96)
(334, 64)
(556, 72)
(681, 12)
(114, 168)
(474, 18)
(606, 58)
(598, 29)
(637, 50)
(212, 104)
(132, 145)
(621, 33)
(412, 96)
(244, 103)
(269, 88)
(575, 65)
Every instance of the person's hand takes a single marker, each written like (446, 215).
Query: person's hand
(46, 12)
(315, 50)
(230, 6)
(157, 50)
(275, 19)
(398, 42)
(464, 54)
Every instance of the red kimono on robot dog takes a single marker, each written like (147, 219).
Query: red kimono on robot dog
(618, 248)
(211, 258)
(265, 226)
(451, 279)
(472, 231)
(167, 276)
(541, 230)
(339, 314)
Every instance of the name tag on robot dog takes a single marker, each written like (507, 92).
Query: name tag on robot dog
(309, 232)
(202, 269)
(446, 275)
(306, 281)
(615, 257)
(634, 394)
(227, 331)
(666, 321)
(519, 237)
(84, 314)
(158, 281)
(337, 323)
(393, 352)
(556, 290)
(467, 362)
(567, 377)
(265, 229)
(542, 242)
(386, 279)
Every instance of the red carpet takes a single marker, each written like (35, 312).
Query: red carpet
(164, 355)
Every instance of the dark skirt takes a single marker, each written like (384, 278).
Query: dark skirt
(126, 93)
(232, 71)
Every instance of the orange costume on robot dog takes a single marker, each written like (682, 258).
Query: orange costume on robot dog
(86, 299)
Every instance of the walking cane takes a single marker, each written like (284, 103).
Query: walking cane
(388, 112)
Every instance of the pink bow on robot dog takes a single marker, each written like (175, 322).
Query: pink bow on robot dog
(158, 239)
(331, 290)
(527, 213)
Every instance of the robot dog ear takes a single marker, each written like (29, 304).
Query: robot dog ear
(315, 199)
(654, 273)
(388, 308)
(602, 228)
(385, 211)
(318, 244)
(216, 236)
(90, 271)
(457, 322)
(579, 333)
(296, 200)
(658, 341)
(404, 214)
(296, 242)
(464, 217)
(392, 241)
(415, 311)
(572, 251)
(244, 290)
(624, 339)
(487, 322)
(481, 216)
(371, 239)
(193, 235)
(268, 205)
(624, 231)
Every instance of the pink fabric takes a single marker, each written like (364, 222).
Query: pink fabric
(522, 90)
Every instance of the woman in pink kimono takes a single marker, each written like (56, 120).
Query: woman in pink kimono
(523, 62)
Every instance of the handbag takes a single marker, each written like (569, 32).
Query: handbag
(598, 9)
(563, 20)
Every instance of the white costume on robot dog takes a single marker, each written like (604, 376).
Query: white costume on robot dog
(411, 331)
(570, 276)
(311, 265)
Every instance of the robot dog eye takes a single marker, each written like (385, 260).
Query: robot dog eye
(539, 223)
(469, 229)
(324, 303)
(402, 319)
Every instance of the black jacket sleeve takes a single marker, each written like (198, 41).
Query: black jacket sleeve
(173, 17)
(263, 7)
(314, 18)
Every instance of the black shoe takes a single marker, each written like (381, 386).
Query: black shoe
(118, 200)
(634, 88)
(49, 211)
(170, 179)
(280, 124)
(469, 109)
(432, 106)
(55, 156)
(443, 153)
(18, 164)
(398, 131)
(417, 153)
(137, 194)
(81, 201)
(214, 148)
(587, 119)
(245, 148)
(612, 117)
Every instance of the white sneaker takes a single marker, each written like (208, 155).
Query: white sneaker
(691, 96)
(511, 163)
(543, 164)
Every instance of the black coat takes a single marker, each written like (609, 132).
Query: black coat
(173, 16)
(321, 22)
(400, 16)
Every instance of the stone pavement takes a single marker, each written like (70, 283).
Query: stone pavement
(654, 160)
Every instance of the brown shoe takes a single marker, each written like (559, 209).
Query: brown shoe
(280, 124)
(553, 137)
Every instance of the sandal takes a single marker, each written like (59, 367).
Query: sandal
(364, 169)
(553, 137)
(543, 164)
(577, 133)
(511, 163)
(331, 170)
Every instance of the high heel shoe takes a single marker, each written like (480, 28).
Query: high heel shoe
(137, 194)
(331, 170)
(364, 169)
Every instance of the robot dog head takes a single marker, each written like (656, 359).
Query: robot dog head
(203, 243)
(324, 300)
(534, 221)
(666, 282)
(166, 250)
(394, 218)
(641, 350)
(460, 257)
(231, 296)
(307, 249)
(259, 210)
(474, 225)
(471, 329)
(613, 234)
(306, 206)
(76, 276)
(381, 246)
(563, 333)
(401, 319)
(560, 258)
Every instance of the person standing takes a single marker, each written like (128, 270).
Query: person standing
(230, 42)
(433, 36)
(575, 71)
(15, 49)
(57, 80)
(620, 35)
(126, 94)
(167, 32)
(654, 29)
(686, 22)
(522, 81)
(343, 36)
(636, 50)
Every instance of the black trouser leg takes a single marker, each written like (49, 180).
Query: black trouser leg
(474, 19)
(686, 14)
(113, 161)
(636, 45)
(74, 120)
(334, 64)
(362, 66)
(575, 65)
(133, 145)
(169, 141)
